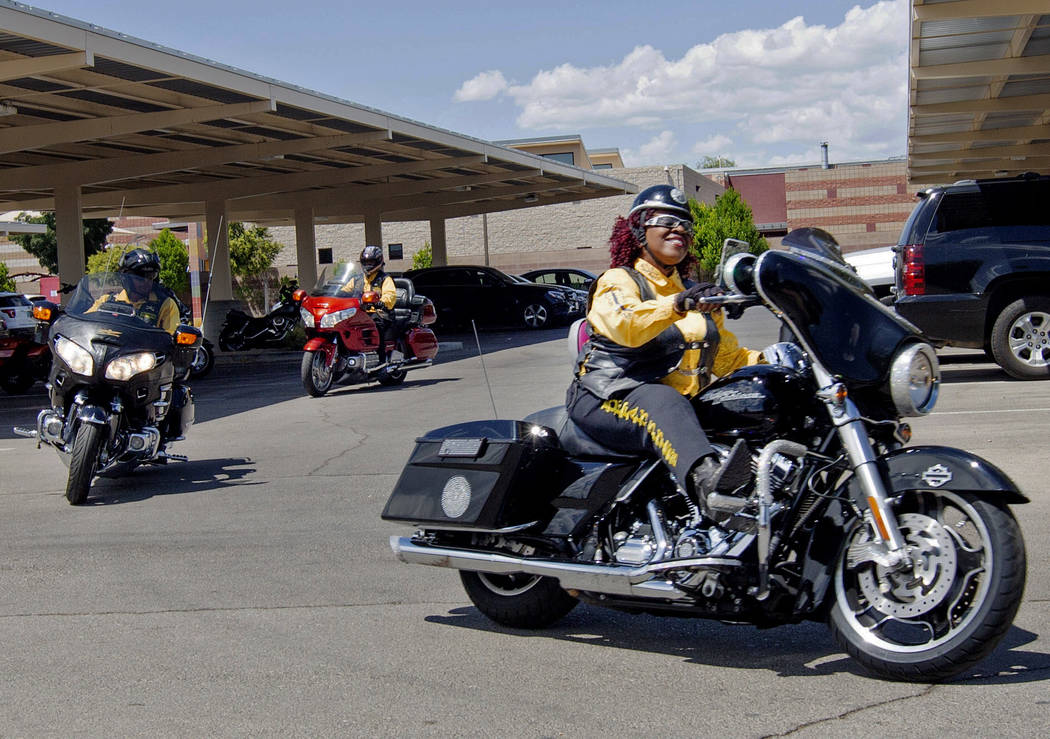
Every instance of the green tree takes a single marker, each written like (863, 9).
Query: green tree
(729, 218)
(252, 252)
(174, 259)
(171, 252)
(424, 257)
(45, 246)
(711, 162)
(6, 283)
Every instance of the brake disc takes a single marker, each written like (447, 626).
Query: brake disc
(915, 591)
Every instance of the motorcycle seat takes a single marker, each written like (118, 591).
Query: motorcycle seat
(571, 437)
(405, 292)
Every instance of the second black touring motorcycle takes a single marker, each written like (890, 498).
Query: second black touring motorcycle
(116, 395)
(909, 553)
(241, 331)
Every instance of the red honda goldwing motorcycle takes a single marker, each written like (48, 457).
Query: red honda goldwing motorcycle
(342, 343)
(25, 356)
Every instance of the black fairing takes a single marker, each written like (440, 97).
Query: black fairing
(108, 337)
(757, 403)
(835, 316)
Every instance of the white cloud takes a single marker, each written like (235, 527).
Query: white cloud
(778, 89)
(657, 149)
(484, 86)
(712, 145)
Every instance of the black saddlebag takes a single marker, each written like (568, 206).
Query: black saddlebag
(484, 475)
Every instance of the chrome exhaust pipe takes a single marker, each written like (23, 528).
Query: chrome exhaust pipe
(611, 579)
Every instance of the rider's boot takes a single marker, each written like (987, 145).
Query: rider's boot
(713, 475)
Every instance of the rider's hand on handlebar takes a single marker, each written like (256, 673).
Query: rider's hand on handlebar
(692, 298)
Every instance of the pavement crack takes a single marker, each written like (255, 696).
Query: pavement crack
(853, 711)
(227, 609)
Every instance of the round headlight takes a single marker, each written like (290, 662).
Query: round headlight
(915, 377)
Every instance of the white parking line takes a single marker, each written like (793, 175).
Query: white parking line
(997, 410)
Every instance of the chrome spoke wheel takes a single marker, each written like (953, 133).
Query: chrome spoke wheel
(514, 584)
(1029, 338)
(930, 602)
(535, 315)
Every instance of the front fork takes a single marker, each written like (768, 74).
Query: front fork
(891, 549)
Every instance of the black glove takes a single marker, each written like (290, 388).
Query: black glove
(691, 297)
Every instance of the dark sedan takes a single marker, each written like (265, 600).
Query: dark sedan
(578, 279)
(465, 292)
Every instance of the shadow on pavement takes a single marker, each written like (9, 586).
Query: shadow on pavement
(175, 478)
(800, 650)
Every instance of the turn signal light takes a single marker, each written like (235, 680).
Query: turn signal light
(41, 313)
(185, 338)
(370, 297)
(299, 295)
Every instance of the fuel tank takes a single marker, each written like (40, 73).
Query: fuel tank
(758, 403)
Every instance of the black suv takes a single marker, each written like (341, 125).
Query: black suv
(462, 293)
(973, 270)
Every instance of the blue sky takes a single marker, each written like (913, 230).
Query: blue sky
(761, 81)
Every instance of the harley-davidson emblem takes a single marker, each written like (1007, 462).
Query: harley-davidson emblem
(937, 475)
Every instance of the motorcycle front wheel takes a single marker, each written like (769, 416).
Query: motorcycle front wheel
(202, 362)
(83, 461)
(945, 613)
(316, 374)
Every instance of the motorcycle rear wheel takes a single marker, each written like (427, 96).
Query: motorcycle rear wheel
(932, 622)
(315, 374)
(388, 377)
(82, 462)
(518, 600)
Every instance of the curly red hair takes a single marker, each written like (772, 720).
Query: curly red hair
(625, 247)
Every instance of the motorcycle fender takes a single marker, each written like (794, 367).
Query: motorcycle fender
(320, 343)
(936, 467)
(92, 414)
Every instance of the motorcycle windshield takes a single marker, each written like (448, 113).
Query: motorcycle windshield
(340, 280)
(835, 317)
(118, 299)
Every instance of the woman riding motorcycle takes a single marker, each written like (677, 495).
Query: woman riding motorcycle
(654, 343)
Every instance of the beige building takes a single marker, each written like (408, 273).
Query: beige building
(573, 234)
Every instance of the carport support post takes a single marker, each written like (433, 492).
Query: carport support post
(221, 288)
(69, 231)
(373, 229)
(438, 250)
(305, 247)
(220, 285)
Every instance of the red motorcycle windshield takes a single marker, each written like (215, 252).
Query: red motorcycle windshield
(340, 280)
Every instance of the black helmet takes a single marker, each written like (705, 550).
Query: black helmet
(140, 262)
(661, 197)
(371, 258)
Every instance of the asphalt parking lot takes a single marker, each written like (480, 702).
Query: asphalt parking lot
(251, 590)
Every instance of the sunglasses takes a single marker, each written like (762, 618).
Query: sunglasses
(669, 221)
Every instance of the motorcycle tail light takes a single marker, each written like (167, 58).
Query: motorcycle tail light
(913, 276)
(429, 314)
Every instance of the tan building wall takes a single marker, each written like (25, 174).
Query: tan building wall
(566, 235)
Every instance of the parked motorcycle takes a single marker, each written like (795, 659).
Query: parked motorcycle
(24, 355)
(241, 331)
(342, 341)
(204, 356)
(910, 553)
(116, 395)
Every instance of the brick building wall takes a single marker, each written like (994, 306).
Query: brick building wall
(566, 235)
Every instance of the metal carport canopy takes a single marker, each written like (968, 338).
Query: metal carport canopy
(143, 129)
(979, 89)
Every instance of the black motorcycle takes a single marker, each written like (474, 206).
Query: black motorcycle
(241, 331)
(204, 356)
(116, 395)
(910, 553)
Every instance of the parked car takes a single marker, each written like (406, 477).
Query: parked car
(973, 270)
(875, 267)
(17, 312)
(465, 292)
(578, 279)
